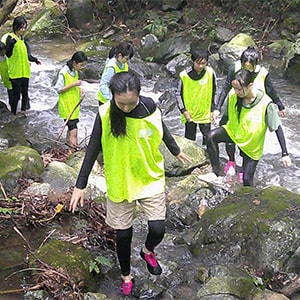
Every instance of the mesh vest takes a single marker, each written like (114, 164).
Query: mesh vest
(18, 64)
(197, 95)
(4, 74)
(111, 63)
(248, 132)
(68, 100)
(134, 166)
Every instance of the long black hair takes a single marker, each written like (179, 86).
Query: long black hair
(123, 48)
(121, 83)
(244, 78)
(77, 57)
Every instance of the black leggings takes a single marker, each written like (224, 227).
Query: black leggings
(19, 87)
(219, 135)
(191, 128)
(156, 231)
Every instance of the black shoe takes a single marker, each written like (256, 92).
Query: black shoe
(152, 263)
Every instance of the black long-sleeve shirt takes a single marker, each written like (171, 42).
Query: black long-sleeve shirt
(10, 47)
(270, 90)
(195, 76)
(145, 107)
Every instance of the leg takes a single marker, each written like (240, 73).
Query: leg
(72, 137)
(155, 210)
(24, 92)
(190, 130)
(249, 167)
(124, 238)
(10, 94)
(16, 91)
(215, 137)
(72, 133)
(156, 232)
(230, 150)
(205, 129)
(120, 217)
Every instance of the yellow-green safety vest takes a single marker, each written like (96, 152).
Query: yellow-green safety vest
(111, 63)
(197, 96)
(134, 166)
(18, 64)
(69, 99)
(248, 132)
(4, 74)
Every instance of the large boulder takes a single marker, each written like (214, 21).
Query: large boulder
(231, 51)
(256, 228)
(79, 12)
(19, 162)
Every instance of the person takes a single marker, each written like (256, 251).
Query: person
(117, 62)
(195, 96)
(128, 130)
(18, 57)
(4, 73)
(70, 94)
(249, 61)
(250, 112)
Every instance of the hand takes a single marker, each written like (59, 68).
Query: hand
(77, 83)
(187, 116)
(216, 115)
(286, 160)
(77, 196)
(38, 62)
(82, 93)
(282, 113)
(183, 157)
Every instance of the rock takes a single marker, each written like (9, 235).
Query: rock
(79, 12)
(231, 51)
(60, 176)
(257, 228)
(19, 162)
(70, 258)
(173, 167)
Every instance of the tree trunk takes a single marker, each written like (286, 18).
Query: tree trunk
(6, 7)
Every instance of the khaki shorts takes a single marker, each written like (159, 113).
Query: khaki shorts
(120, 215)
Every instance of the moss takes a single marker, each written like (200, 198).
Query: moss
(69, 257)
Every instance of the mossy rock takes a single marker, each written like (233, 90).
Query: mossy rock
(72, 259)
(19, 162)
(258, 228)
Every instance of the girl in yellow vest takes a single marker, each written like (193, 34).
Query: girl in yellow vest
(128, 130)
(18, 57)
(250, 112)
(249, 61)
(70, 94)
(195, 96)
(117, 62)
(4, 73)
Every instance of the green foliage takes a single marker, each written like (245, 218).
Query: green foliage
(97, 263)
(156, 27)
(258, 281)
(5, 211)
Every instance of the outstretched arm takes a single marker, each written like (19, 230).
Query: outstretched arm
(286, 160)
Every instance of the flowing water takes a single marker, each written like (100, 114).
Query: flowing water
(43, 98)
(269, 171)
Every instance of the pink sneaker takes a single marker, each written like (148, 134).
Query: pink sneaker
(152, 263)
(127, 287)
(241, 177)
(230, 164)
